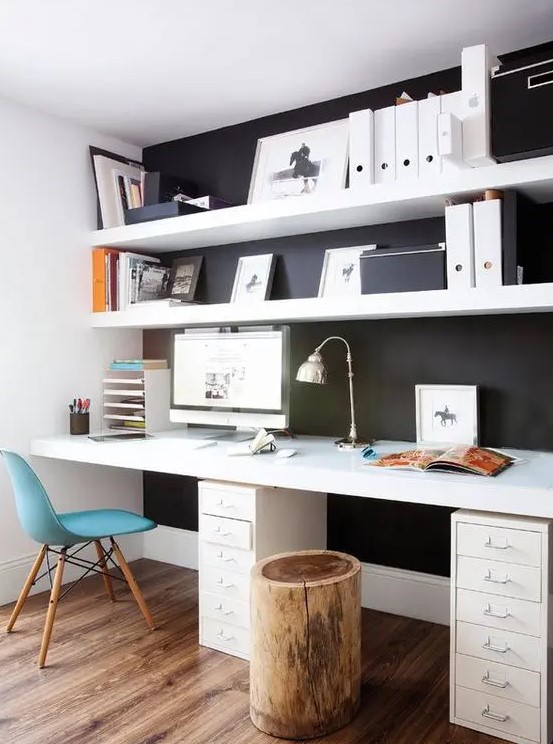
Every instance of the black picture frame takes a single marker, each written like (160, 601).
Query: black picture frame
(187, 278)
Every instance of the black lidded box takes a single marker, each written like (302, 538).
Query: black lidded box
(522, 105)
(160, 187)
(159, 212)
(403, 269)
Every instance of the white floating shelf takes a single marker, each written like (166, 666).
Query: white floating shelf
(531, 298)
(377, 204)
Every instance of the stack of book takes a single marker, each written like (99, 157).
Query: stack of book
(126, 385)
(137, 365)
(121, 279)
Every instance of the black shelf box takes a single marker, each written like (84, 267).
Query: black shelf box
(403, 269)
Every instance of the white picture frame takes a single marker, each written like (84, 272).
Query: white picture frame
(301, 162)
(341, 272)
(446, 415)
(253, 278)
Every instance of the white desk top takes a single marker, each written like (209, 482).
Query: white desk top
(525, 489)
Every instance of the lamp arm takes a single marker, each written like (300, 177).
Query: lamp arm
(353, 427)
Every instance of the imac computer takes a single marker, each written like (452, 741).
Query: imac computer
(233, 378)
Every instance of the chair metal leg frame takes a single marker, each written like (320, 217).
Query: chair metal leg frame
(31, 579)
(133, 586)
(103, 565)
(99, 567)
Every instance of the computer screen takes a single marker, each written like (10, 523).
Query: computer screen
(231, 377)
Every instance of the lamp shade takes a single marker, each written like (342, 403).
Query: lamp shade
(312, 370)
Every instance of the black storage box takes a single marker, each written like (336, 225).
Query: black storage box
(403, 269)
(160, 187)
(159, 212)
(522, 107)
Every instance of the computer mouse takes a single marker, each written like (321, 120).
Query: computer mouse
(285, 452)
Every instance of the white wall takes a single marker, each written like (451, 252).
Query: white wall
(48, 354)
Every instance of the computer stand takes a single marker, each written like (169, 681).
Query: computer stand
(232, 435)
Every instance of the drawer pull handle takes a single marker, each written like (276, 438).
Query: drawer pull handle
(487, 680)
(222, 610)
(489, 646)
(221, 582)
(489, 544)
(489, 577)
(222, 557)
(487, 713)
(219, 531)
(225, 506)
(502, 615)
(224, 637)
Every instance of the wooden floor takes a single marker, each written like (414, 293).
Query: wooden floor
(111, 681)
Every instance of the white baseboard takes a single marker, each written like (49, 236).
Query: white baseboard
(171, 545)
(14, 572)
(408, 593)
(399, 592)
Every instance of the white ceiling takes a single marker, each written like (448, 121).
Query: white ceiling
(149, 71)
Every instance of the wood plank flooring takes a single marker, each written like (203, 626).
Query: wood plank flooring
(109, 680)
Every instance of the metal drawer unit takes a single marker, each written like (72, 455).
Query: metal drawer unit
(238, 526)
(500, 626)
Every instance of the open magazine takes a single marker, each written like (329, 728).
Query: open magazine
(463, 459)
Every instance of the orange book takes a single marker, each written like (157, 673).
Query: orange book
(99, 278)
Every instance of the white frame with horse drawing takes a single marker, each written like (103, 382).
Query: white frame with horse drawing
(257, 269)
(341, 274)
(301, 162)
(456, 407)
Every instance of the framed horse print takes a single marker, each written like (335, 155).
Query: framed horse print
(253, 278)
(446, 414)
(313, 160)
(341, 276)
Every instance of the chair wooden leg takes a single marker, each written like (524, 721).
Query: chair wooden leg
(135, 589)
(52, 607)
(27, 587)
(105, 574)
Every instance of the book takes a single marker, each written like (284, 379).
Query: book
(138, 364)
(127, 276)
(104, 260)
(463, 459)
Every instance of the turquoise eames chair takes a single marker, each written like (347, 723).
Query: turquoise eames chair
(65, 535)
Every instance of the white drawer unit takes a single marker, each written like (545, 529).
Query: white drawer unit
(223, 636)
(514, 649)
(500, 682)
(499, 543)
(498, 717)
(504, 613)
(494, 577)
(225, 583)
(225, 609)
(504, 681)
(234, 533)
(227, 500)
(238, 526)
(221, 556)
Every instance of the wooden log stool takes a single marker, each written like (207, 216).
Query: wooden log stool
(305, 669)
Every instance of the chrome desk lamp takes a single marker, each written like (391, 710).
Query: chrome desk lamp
(314, 370)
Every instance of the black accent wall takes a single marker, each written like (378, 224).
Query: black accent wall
(510, 357)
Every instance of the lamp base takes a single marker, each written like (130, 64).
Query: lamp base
(347, 443)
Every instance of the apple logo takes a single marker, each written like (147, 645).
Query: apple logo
(473, 101)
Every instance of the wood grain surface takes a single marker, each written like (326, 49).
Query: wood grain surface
(305, 668)
(110, 680)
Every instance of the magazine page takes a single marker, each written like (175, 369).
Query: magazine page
(418, 459)
(476, 460)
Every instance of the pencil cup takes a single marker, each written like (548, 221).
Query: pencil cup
(79, 423)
